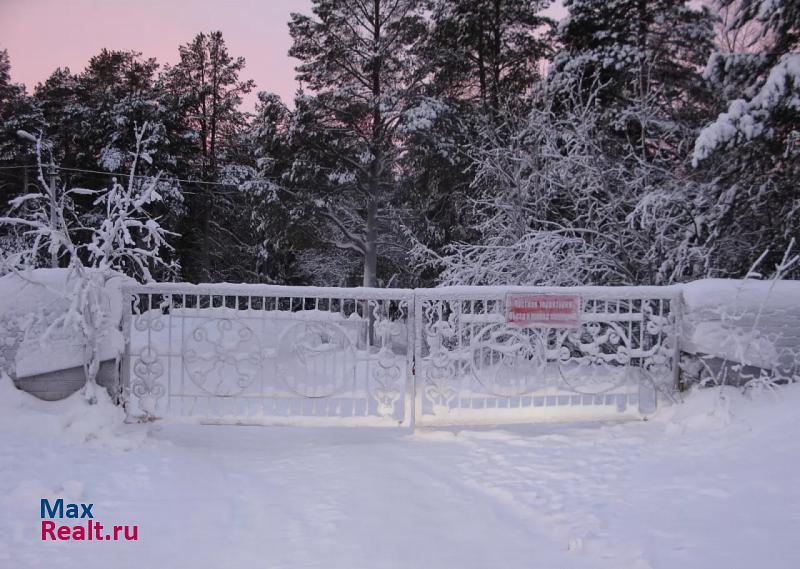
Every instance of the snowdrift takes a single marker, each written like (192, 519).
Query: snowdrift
(72, 420)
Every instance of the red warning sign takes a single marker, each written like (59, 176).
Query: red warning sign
(553, 310)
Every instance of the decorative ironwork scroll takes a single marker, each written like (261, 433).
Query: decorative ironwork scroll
(267, 354)
(473, 362)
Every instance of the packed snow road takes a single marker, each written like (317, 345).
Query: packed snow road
(708, 484)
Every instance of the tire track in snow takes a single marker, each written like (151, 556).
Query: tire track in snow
(561, 482)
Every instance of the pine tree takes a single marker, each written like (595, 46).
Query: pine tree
(752, 150)
(115, 93)
(6, 88)
(91, 114)
(762, 84)
(56, 97)
(361, 64)
(203, 94)
(18, 112)
(567, 194)
(489, 51)
(646, 56)
(270, 226)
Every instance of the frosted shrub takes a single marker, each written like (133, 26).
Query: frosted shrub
(126, 239)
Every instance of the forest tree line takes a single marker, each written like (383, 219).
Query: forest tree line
(447, 142)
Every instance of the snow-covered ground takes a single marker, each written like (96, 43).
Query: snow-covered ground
(711, 483)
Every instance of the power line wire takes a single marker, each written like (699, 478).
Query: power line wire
(169, 178)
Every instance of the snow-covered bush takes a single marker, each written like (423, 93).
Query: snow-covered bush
(555, 207)
(125, 240)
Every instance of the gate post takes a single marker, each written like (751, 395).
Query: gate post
(409, 416)
(125, 367)
(418, 382)
(677, 311)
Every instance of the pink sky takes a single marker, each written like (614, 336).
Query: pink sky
(41, 35)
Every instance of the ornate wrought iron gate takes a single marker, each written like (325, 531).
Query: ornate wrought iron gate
(474, 367)
(304, 355)
(270, 355)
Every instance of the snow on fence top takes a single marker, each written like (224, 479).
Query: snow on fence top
(709, 293)
(230, 289)
(593, 292)
(448, 292)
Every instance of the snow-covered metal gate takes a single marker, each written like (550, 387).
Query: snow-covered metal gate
(474, 366)
(269, 354)
(264, 354)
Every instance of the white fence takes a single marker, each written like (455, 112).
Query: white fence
(303, 355)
